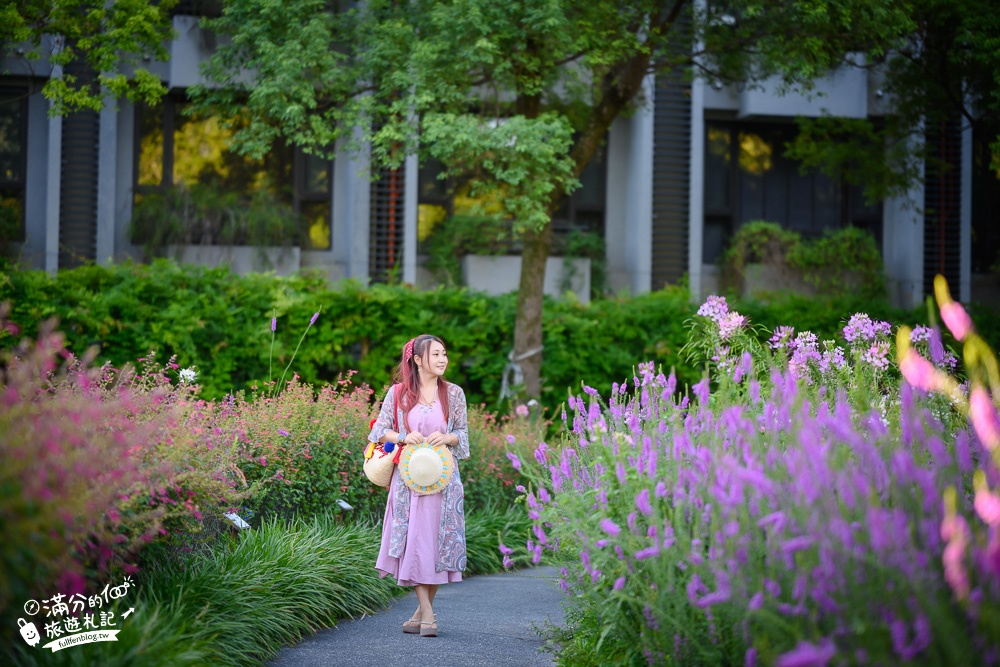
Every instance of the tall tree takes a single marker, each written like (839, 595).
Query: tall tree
(110, 39)
(519, 94)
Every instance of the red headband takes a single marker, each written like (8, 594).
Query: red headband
(408, 350)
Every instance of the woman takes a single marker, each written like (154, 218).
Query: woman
(423, 536)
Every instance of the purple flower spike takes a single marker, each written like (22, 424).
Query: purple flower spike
(283, 432)
(314, 318)
(619, 583)
(274, 324)
(808, 655)
(642, 502)
(610, 527)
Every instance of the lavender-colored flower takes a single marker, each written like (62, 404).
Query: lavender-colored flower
(511, 439)
(808, 655)
(782, 339)
(714, 308)
(861, 328)
(877, 355)
(751, 658)
(619, 583)
(283, 432)
(610, 527)
(315, 316)
(921, 334)
(514, 461)
(648, 552)
(274, 324)
(642, 502)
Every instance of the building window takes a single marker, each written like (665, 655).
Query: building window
(13, 154)
(985, 201)
(583, 211)
(180, 151)
(748, 177)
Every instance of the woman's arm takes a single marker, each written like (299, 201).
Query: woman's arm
(383, 429)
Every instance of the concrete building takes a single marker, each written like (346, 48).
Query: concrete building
(673, 182)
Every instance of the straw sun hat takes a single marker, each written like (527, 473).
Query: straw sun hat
(426, 469)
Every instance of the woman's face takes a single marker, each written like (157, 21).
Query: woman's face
(435, 360)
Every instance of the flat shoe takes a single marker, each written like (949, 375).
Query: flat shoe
(428, 629)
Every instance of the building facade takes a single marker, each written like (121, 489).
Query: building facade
(674, 181)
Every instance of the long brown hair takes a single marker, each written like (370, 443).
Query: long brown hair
(407, 376)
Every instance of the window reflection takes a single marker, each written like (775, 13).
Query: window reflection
(180, 149)
(755, 153)
(747, 177)
(13, 146)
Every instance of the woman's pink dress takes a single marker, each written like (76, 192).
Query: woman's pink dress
(416, 564)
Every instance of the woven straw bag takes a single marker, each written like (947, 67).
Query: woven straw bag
(379, 463)
(380, 460)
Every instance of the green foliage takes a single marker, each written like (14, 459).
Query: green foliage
(487, 475)
(521, 163)
(219, 323)
(464, 235)
(486, 528)
(205, 215)
(825, 263)
(112, 39)
(241, 601)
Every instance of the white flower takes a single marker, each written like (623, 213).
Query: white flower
(187, 375)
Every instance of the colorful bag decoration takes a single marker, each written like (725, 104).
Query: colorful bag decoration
(379, 463)
(426, 468)
(379, 458)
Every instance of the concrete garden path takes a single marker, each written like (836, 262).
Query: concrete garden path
(485, 621)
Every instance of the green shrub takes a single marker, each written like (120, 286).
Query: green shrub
(97, 464)
(220, 323)
(208, 215)
(822, 262)
(486, 528)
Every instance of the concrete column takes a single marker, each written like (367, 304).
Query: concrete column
(125, 150)
(965, 265)
(53, 181)
(696, 201)
(351, 213)
(628, 221)
(412, 171)
(903, 242)
(107, 182)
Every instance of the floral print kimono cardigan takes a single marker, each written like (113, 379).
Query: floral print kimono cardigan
(451, 532)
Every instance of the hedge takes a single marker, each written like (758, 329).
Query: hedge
(221, 324)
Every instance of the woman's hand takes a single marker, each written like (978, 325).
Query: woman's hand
(413, 438)
(438, 438)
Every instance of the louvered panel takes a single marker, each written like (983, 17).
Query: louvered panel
(671, 178)
(385, 248)
(78, 189)
(942, 204)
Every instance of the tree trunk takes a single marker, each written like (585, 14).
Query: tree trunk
(619, 88)
(530, 294)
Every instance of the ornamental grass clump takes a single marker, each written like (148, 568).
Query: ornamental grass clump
(785, 512)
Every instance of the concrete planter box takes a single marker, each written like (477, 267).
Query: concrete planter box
(502, 273)
(759, 280)
(284, 261)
